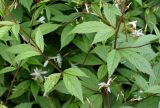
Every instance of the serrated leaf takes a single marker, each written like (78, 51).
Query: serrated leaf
(137, 60)
(102, 51)
(6, 23)
(102, 72)
(89, 60)
(75, 71)
(34, 89)
(113, 60)
(24, 105)
(48, 28)
(156, 31)
(26, 55)
(4, 30)
(39, 39)
(91, 27)
(21, 48)
(94, 101)
(110, 13)
(15, 30)
(153, 89)
(50, 82)
(20, 89)
(141, 82)
(7, 69)
(82, 43)
(66, 38)
(73, 86)
(90, 82)
(103, 35)
(145, 39)
(26, 4)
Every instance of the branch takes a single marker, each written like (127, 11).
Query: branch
(118, 27)
(41, 53)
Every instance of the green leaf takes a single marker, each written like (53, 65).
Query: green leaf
(2, 91)
(89, 60)
(110, 13)
(91, 27)
(113, 60)
(24, 105)
(153, 89)
(141, 82)
(150, 102)
(7, 69)
(26, 55)
(48, 28)
(15, 30)
(139, 2)
(73, 85)
(20, 89)
(66, 38)
(156, 31)
(4, 30)
(21, 48)
(39, 39)
(90, 82)
(45, 102)
(145, 39)
(50, 82)
(75, 71)
(103, 35)
(137, 60)
(126, 107)
(2, 106)
(102, 72)
(26, 4)
(6, 23)
(94, 101)
(34, 89)
(82, 43)
(102, 51)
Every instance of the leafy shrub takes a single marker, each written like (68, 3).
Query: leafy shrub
(79, 53)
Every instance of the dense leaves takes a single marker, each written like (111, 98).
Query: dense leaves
(79, 54)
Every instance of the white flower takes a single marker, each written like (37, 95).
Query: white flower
(45, 63)
(137, 32)
(127, 7)
(86, 6)
(41, 19)
(133, 23)
(106, 85)
(59, 60)
(102, 84)
(37, 73)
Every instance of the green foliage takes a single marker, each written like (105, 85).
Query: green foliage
(79, 54)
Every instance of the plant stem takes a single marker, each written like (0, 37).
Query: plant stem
(41, 53)
(119, 24)
(12, 84)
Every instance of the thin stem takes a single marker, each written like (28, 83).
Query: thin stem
(12, 84)
(102, 101)
(108, 100)
(118, 27)
(45, 57)
(126, 32)
(87, 55)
